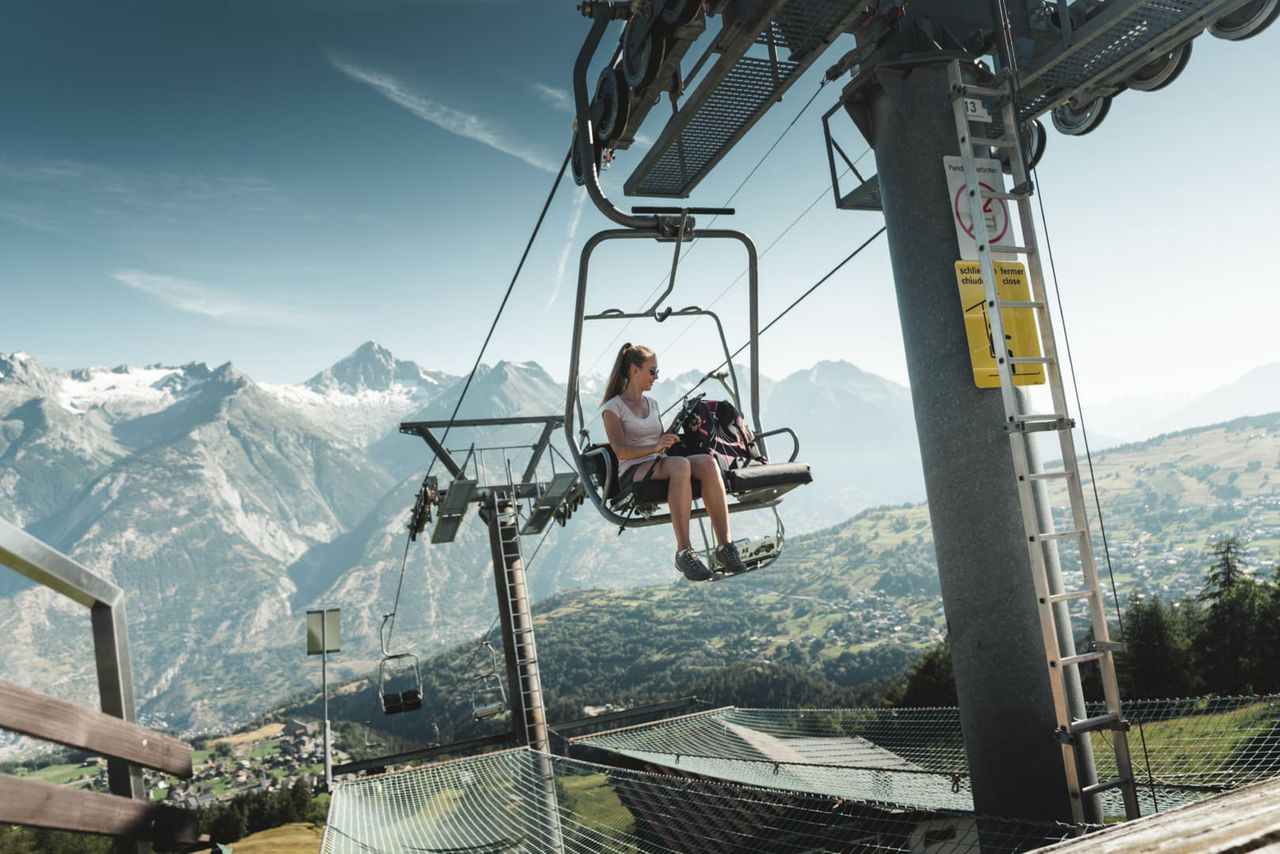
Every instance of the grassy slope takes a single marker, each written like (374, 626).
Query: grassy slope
(287, 839)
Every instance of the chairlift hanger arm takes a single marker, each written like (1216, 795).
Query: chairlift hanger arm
(538, 450)
(602, 14)
(415, 427)
(441, 452)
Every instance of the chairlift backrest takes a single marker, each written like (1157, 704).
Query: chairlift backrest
(408, 700)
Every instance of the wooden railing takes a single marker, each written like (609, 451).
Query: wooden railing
(126, 812)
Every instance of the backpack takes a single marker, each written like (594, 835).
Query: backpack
(717, 428)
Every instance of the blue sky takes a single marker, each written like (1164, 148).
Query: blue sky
(272, 183)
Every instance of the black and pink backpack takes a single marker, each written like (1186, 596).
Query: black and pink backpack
(717, 428)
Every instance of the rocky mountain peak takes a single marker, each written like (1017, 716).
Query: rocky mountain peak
(23, 369)
(371, 367)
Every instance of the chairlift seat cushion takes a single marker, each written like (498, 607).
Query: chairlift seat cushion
(757, 476)
(755, 481)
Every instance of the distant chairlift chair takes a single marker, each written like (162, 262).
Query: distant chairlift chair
(489, 698)
(395, 665)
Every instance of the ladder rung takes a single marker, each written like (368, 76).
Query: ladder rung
(1082, 658)
(1051, 475)
(1030, 360)
(993, 143)
(1019, 304)
(1033, 425)
(1074, 594)
(1105, 785)
(1109, 646)
(1062, 535)
(1012, 196)
(1011, 249)
(968, 90)
(1108, 721)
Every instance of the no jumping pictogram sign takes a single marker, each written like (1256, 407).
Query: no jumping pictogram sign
(995, 211)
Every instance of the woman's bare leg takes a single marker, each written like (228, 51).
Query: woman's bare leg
(714, 498)
(679, 497)
(677, 472)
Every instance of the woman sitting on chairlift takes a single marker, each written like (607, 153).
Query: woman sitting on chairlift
(633, 424)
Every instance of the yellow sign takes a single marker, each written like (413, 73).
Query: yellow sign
(1022, 338)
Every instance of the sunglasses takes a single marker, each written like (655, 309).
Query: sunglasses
(653, 372)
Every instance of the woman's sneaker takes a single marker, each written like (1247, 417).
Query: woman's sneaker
(688, 562)
(728, 560)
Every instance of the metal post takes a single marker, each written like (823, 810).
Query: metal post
(115, 692)
(528, 710)
(1006, 706)
(324, 694)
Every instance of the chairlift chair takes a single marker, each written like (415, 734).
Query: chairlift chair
(754, 487)
(489, 698)
(393, 665)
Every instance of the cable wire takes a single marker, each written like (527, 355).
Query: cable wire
(1006, 35)
(661, 282)
(524, 256)
(781, 314)
(1088, 455)
(767, 249)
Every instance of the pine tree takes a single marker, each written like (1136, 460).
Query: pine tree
(1157, 661)
(931, 681)
(1227, 642)
(1227, 570)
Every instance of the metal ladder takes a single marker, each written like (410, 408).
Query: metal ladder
(1022, 425)
(532, 706)
(506, 518)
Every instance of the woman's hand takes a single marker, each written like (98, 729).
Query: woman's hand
(666, 440)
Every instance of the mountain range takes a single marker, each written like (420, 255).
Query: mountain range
(227, 507)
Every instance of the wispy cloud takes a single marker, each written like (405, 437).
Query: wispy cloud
(557, 99)
(208, 301)
(571, 233)
(52, 193)
(457, 122)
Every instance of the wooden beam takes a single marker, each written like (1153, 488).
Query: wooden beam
(35, 803)
(32, 713)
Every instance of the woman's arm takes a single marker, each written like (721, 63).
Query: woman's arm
(622, 450)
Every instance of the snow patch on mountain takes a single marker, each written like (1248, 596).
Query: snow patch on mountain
(126, 391)
(358, 417)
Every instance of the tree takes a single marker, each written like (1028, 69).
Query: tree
(1226, 571)
(1227, 641)
(226, 825)
(1157, 660)
(1266, 675)
(931, 681)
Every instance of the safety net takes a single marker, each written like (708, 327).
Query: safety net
(519, 800)
(1182, 749)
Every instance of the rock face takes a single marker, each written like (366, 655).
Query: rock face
(226, 508)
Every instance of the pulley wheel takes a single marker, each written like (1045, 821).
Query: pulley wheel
(1162, 71)
(611, 106)
(1247, 21)
(575, 161)
(677, 13)
(643, 49)
(1034, 140)
(1077, 121)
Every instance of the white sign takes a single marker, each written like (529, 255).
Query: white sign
(995, 212)
(976, 110)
